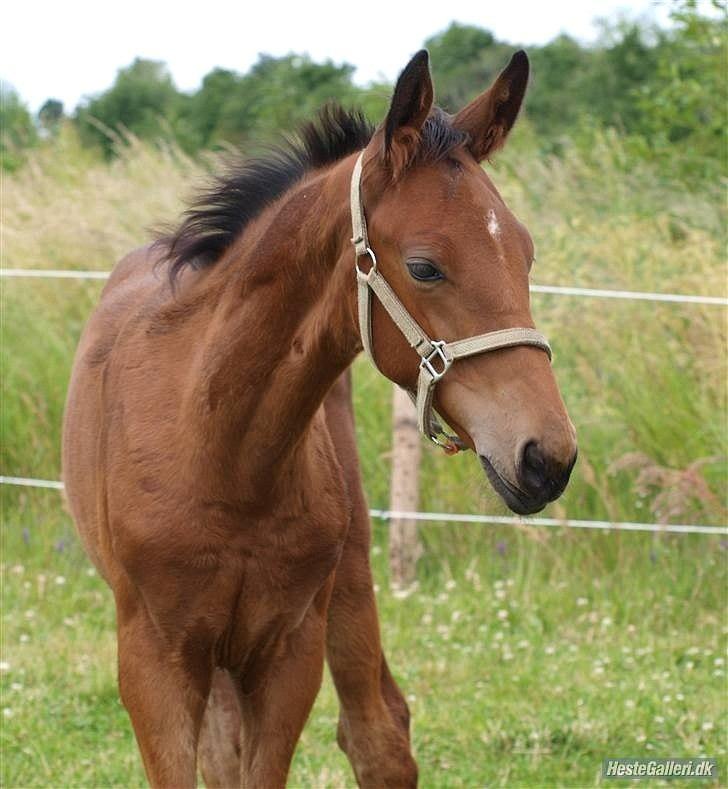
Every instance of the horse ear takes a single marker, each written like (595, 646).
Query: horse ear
(489, 118)
(411, 104)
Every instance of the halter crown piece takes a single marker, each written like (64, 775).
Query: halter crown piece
(436, 356)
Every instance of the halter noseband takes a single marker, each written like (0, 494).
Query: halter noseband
(436, 356)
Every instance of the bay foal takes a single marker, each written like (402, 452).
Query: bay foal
(209, 456)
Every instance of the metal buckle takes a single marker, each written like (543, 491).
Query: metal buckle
(449, 443)
(437, 352)
(370, 252)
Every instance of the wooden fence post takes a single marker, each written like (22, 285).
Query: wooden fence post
(404, 543)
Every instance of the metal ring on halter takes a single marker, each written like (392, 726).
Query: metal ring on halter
(437, 352)
(368, 251)
(451, 444)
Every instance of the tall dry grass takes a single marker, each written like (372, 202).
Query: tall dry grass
(638, 377)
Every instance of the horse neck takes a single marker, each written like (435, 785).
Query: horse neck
(284, 328)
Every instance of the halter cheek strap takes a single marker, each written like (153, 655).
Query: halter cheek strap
(436, 356)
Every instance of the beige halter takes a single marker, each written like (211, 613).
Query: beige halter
(436, 355)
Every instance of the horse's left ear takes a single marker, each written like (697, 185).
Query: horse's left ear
(489, 118)
(411, 104)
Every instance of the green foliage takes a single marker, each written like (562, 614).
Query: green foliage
(142, 100)
(560, 78)
(206, 107)
(685, 107)
(275, 96)
(665, 90)
(465, 60)
(17, 130)
(50, 115)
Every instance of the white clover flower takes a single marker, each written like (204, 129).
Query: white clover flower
(60, 580)
(502, 614)
(581, 601)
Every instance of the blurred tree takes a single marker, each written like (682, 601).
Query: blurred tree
(274, 97)
(465, 60)
(204, 111)
(279, 93)
(17, 130)
(560, 77)
(143, 99)
(623, 63)
(50, 115)
(665, 89)
(685, 105)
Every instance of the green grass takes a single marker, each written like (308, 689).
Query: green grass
(526, 664)
(528, 655)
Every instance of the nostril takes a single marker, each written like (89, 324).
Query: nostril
(533, 458)
(533, 467)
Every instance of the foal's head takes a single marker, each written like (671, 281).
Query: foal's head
(459, 260)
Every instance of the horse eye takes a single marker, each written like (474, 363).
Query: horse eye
(423, 270)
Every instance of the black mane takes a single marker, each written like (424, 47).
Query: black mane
(234, 199)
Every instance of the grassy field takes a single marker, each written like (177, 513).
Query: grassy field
(528, 655)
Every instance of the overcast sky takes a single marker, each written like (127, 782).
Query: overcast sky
(68, 49)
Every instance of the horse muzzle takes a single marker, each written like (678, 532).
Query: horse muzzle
(540, 479)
